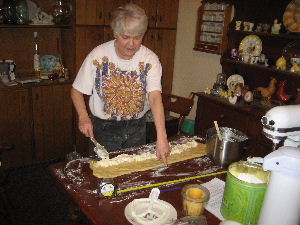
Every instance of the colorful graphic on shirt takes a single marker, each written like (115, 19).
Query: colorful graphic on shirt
(123, 92)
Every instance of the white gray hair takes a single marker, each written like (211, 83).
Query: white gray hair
(129, 18)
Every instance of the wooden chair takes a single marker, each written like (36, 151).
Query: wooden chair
(179, 105)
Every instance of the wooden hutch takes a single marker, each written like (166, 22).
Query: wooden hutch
(242, 116)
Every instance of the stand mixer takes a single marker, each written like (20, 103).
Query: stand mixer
(283, 123)
(281, 203)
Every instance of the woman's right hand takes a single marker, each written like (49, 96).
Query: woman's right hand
(86, 127)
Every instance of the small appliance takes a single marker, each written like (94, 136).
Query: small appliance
(282, 200)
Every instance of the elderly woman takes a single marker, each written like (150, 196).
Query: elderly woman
(123, 79)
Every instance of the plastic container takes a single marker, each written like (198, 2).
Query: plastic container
(194, 199)
(188, 126)
(244, 192)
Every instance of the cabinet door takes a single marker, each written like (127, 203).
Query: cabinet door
(210, 111)
(109, 7)
(87, 38)
(52, 113)
(162, 42)
(167, 19)
(89, 12)
(150, 8)
(16, 127)
(80, 11)
(156, 12)
(108, 34)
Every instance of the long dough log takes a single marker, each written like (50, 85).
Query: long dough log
(129, 167)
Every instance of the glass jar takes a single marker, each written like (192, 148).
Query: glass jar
(10, 13)
(61, 12)
(22, 12)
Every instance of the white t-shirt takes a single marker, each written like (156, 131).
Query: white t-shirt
(118, 87)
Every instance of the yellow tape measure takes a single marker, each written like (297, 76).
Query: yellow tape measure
(170, 182)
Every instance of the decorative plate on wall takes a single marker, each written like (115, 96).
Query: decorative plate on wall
(251, 45)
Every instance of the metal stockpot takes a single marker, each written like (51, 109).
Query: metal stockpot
(229, 149)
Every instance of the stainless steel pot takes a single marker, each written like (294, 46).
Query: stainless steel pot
(228, 150)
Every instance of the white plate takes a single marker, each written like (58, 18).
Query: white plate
(251, 45)
(162, 212)
(233, 80)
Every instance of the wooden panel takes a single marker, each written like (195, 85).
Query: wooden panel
(91, 12)
(18, 45)
(52, 111)
(16, 127)
(166, 51)
(167, 19)
(150, 8)
(109, 6)
(209, 111)
(81, 11)
(87, 38)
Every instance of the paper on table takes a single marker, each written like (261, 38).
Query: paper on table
(216, 188)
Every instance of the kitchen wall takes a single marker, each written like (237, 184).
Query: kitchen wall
(194, 70)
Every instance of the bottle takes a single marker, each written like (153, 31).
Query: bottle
(61, 12)
(36, 57)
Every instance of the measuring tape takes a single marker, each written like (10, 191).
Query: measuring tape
(169, 182)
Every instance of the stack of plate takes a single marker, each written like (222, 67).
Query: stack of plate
(291, 16)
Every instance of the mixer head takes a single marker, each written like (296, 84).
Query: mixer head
(281, 123)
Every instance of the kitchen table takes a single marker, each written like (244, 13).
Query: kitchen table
(76, 180)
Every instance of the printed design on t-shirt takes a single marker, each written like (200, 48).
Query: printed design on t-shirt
(123, 92)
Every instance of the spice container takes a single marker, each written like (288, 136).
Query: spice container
(194, 198)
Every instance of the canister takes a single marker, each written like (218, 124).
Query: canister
(244, 192)
(227, 150)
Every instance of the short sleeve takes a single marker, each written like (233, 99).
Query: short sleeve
(84, 81)
(154, 76)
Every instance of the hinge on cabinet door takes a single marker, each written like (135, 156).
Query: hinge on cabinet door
(100, 15)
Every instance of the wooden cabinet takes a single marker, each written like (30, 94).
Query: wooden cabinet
(16, 126)
(52, 119)
(209, 110)
(96, 12)
(245, 118)
(212, 26)
(273, 45)
(87, 38)
(242, 116)
(162, 43)
(38, 121)
(161, 13)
